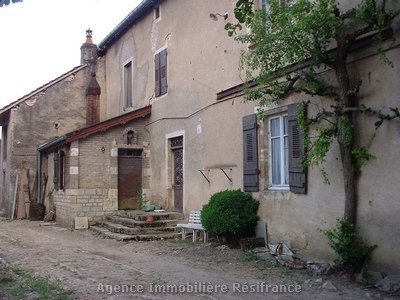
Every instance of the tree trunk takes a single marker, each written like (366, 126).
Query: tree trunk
(350, 201)
(346, 146)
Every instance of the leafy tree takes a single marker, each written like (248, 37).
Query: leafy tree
(293, 42)
(7, 2)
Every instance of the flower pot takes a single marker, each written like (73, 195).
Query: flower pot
(150, 218)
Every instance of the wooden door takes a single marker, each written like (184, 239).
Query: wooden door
(177, 151)
(129, 178)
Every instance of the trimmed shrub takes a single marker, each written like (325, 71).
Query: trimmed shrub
(230, 212)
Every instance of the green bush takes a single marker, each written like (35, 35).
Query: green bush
(348, 244)
(230, 212)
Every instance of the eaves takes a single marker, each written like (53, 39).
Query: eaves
(140, 11)
(41, 89)
(361, 43)
(106, 125)
(97, 128)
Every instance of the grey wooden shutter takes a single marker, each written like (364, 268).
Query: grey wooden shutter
(297, 174)
(157, 74)
(61, 167)
(163, 72)
(55, 173)
(250, 154)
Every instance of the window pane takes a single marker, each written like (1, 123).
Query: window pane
(276, 161)
(275, 127)
(285, 125)
(286, 159)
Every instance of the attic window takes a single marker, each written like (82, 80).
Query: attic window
(156, 12)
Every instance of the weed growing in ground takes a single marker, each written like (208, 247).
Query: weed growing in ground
(20, 283)
(250, 255)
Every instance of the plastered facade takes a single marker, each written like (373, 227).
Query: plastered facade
(203, 60)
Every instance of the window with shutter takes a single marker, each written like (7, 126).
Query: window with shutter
(55, 168)
(279, 152)
(163, 72)
(157, 74)
(160, 73)
(61, 170)
(297, 174)
(250, 154)
(128, 85)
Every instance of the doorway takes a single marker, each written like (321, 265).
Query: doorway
(177, 179)
(129, 178)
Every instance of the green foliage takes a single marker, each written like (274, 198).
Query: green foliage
(250, 255)
(318, 146)
(345, 128)
(21, 284)
(230, 212)
(361, 155)
(141, 199)
(348, 244)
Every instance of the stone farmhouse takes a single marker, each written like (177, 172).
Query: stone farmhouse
(161, 112)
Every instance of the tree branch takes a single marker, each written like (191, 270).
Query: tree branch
(395, 113)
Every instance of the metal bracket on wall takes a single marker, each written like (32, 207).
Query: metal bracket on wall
(204, 175)
(222, 168)
(223, 171)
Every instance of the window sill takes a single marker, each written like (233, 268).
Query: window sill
(279, 188)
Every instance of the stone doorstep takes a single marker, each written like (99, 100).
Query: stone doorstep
(139, 237)
(129, 222)
(112, 235)
(140, 215)
(132, 225)
(118, 228)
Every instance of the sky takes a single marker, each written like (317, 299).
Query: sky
(41, 39)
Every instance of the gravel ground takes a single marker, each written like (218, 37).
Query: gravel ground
(96, 268)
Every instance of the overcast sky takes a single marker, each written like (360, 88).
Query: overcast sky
(41, 39)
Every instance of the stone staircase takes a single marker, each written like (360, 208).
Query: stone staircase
(125, 225)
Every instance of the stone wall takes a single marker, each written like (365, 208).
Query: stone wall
(91, 203)
(91, 173)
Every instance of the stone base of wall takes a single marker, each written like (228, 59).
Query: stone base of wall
(91, 203)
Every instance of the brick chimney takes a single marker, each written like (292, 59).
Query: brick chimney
(89, 50)
(93, 92)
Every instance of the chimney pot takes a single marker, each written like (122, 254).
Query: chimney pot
(89, 36)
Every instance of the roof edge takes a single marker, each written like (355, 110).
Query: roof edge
(107, 124)
(359, 44)
(42, 88)
(141, 10)
(54, 142)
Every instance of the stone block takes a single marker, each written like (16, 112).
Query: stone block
(74, 152)
(81, 223)
(74, 170)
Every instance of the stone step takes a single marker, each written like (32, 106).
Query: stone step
(118, 228)
(139, 237)
(158, 236)
(112, 235)
(129, 222)
(139, 215)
